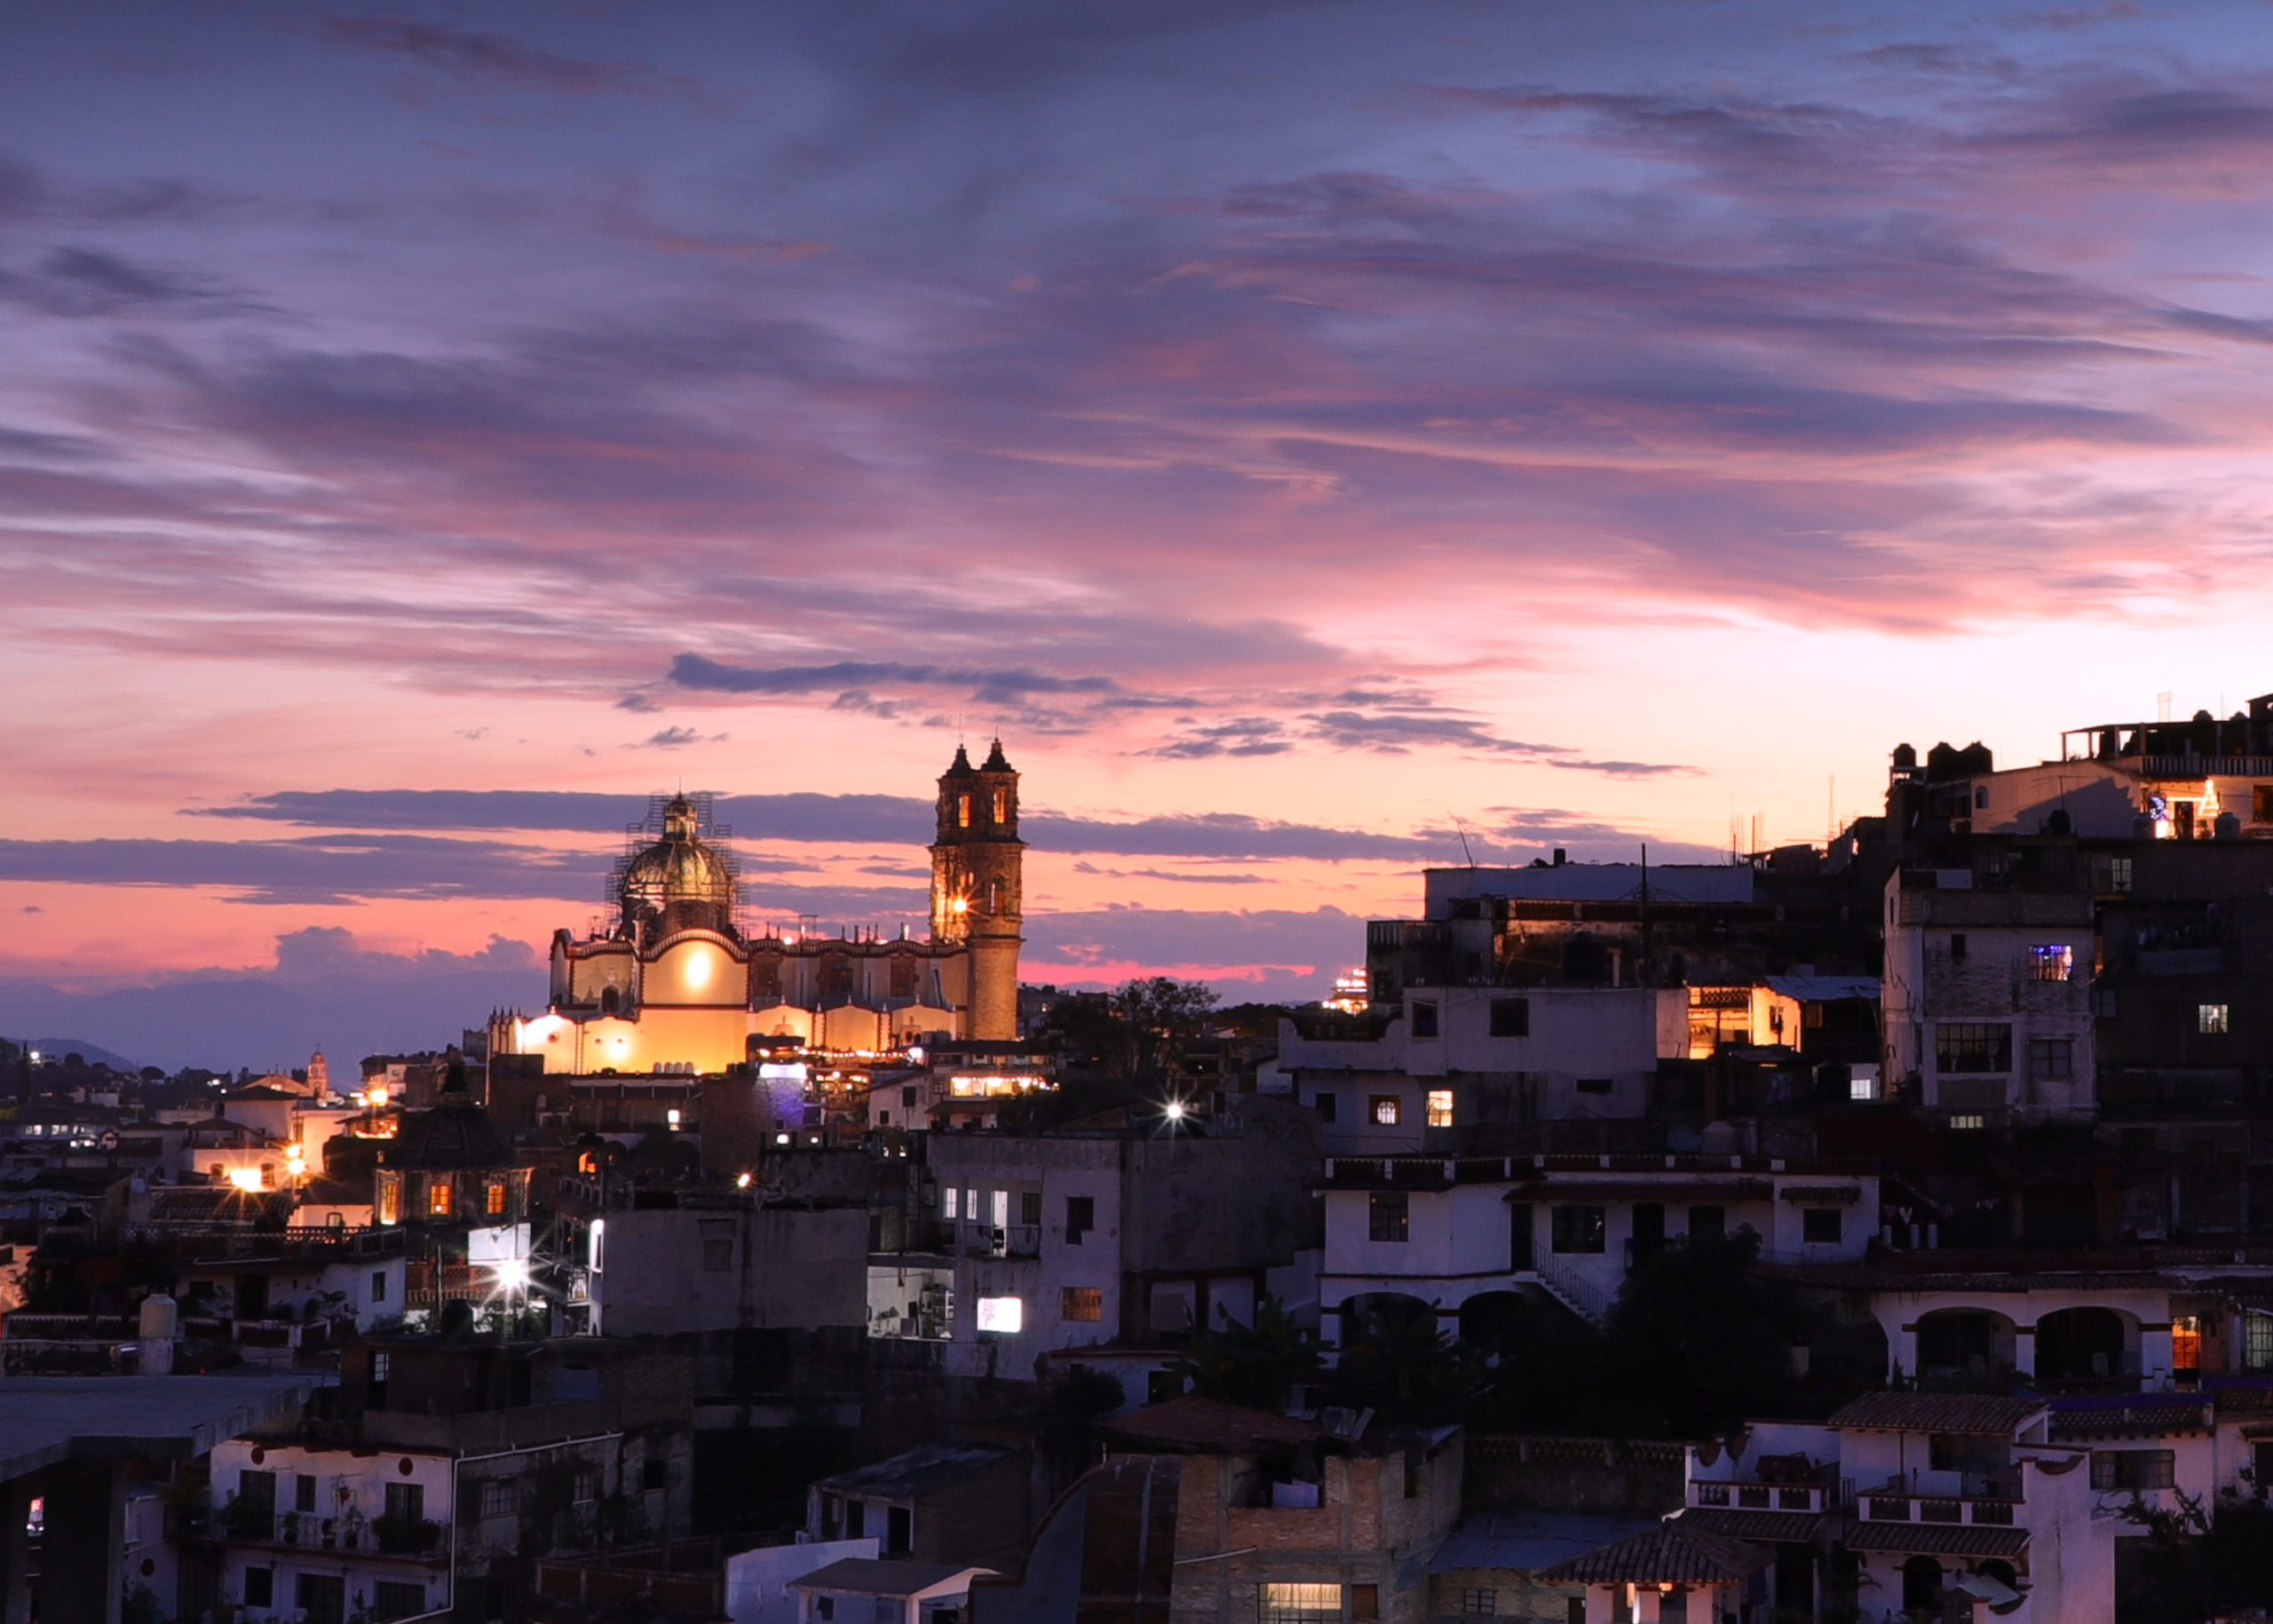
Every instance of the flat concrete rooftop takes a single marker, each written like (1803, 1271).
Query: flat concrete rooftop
(46, 1420)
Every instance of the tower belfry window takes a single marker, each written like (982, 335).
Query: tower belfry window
(963, 812)
(1002, 806)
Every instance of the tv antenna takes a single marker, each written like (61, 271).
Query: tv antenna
(1463, 829)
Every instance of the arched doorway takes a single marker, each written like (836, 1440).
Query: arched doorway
(2080, 1344)
(1965, 1342)
(1377, 1317)
(1493, 1321)
(1922, 1585)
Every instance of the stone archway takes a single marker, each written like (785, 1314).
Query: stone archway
(2084, 1344)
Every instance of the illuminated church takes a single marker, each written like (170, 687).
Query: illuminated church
(676, 984)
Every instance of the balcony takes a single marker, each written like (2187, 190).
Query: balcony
(1009, 1240)
(1977, 1500)
(1815, 1499)
(351, 1533)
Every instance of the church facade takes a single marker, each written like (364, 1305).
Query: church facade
(676, 984)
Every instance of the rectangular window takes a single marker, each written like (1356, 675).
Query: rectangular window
(303, 1492)
(2051, 1059)
(588, 1487)
(963, 812)
(2186, 1344)
(396, 1599)
(1973, 1046)
(1423, 1013)
(1384, 1109)
(1389, 1216)
(1479, 1604)
(2051, 961)
(999, 1205)
(493, 1198)
(1081, 1218)
(1298, 1603)
(1957, 947)
(438, 1199)
(1820, 1225)
(260, 1587)
(378, 1285)
(1592, 1085)
(2212, 1019)
(1511, 1017)
(718, 1254)
(1580, 1229)
(1365, 1602)
(1001, 1316)
(1030, 1208)
(1440, 1107)
(256, 1497)
(2137, 1469)
(500, 1497)
(1084, 1304)
(947, 1201)
(1968, 1122)
(390, 1202)
(908, 1098)
(406, 1503)
(2256, 1340)
(1002, 806)
(321, 1597)
(1325, 1104)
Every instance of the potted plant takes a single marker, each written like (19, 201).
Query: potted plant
(292, 1528)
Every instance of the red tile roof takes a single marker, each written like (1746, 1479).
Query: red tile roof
(1981, 1413)
(1938, 1539)
(1672, 1553)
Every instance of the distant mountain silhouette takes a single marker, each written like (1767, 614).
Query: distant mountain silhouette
(268, 1021)
(93, 1054)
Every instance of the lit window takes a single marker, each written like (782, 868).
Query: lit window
(2052, 961)
(1002, 806)
(1968, 1120)
(1084, 1304)
(389, 1203)
(2212, 1019)
(1003, 1316)
(1385, 1109)
(1299, 1604)
(963, 812)
(2186, 1343)
(1440, 1107)
(438, 1199)
(1389, 1216)
(493, 1198)
(1858, 1088)
(947, 1201)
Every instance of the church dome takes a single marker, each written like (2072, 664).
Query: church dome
(678, 882)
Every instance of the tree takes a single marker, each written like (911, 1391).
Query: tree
(1400, 1366)
(1257, 1364)
(1697, 1341)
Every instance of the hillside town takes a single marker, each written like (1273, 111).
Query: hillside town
(1875, 1231)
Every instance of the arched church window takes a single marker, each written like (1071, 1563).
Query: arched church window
(610, 1000)
(963, 812)
(1002, 806)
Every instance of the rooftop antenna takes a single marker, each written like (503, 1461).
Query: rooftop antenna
(1463, 828)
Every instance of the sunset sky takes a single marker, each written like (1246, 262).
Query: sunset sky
(425, 431)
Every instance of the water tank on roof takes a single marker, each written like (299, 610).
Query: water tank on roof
(160, 1317)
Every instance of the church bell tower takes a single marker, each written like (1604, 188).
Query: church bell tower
(975, 865)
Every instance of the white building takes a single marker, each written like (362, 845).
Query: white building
(1455, 1234)
(331, 1534)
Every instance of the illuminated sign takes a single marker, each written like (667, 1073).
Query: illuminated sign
(1006, 1316)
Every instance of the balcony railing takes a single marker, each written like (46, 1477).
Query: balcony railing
(1814, 1498)
(1982, 1500)
(419, 1539)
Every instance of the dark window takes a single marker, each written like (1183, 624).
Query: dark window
(1574, 1610)
(1424, 1019)
(825, 1607)
(1973, 1046)
(1389, 1215)
(378, 1285)
(260, 1587)
(304, 1493)
(1365, 1601)
(500, 1497)
(1707, 1223)
(1325, 1107)
(2051, 1059)
(1385, 1110)
(1519, 1235)
(1479, 1604)
(322, 1596)
(1957, 947)
(898, 1525)
(1510, 1019)
(1081, 1218)
(1030, 1208)
(392, 1598)
(908, 1098)
(257, 1495)
(1593, 1085)
(406, 1506)
(1580, 1229)
(855, 1519)
(2133, 1468)
(1819, 1225)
